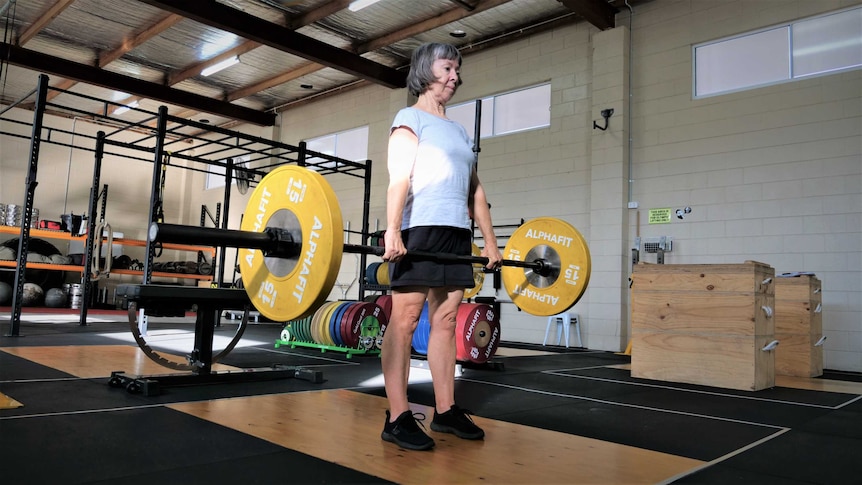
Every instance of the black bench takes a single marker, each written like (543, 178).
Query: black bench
(209, 303)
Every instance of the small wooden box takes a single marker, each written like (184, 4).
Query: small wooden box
(798, 326)
(704, 324)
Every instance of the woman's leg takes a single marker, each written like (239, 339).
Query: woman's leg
(442, 313)
(395, 355)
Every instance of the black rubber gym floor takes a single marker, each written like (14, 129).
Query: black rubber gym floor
(77, 430)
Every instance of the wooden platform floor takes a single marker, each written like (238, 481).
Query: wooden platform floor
(344, 426)
(550, 417)
(99, 361)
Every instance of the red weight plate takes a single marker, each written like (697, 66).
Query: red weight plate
(477, 333)
(374, 312)
(355, 316)
(335, 323)
(385, 302)
(351, 339)
(344, 326)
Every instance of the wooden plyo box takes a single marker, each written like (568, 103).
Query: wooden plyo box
(704, 324)
(798, 326)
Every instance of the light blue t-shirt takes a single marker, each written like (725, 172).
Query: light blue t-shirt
(440, 181)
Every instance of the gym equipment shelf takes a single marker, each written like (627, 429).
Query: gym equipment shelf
(44, 234)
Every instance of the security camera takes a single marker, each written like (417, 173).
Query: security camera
(606, 114)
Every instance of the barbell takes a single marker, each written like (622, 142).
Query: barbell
(290, 250)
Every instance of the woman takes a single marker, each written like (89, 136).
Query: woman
(433, 191)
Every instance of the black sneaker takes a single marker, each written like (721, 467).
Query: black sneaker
(458, 422)
(405, 432)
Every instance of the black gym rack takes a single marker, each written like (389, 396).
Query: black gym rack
(159, 137)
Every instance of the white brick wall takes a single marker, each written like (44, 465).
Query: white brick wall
(783, 164)
(772, 174)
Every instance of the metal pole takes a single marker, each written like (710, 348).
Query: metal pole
(92, 237)
(156, 197)
(279, 243)
(27, 216)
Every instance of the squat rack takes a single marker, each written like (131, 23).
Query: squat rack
(200, 144)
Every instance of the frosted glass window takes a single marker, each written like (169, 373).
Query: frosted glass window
(751, 60)
(466, 115)
(808, 47)
(215, 173)
(350, 145)
(828, 43)
(522, 110)
(525, 109)
(323, 144)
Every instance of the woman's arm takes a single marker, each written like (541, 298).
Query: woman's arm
(403, 145)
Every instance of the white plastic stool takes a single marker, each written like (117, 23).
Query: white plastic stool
(563, 321)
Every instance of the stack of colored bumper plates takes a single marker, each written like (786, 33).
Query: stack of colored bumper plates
(340, 324)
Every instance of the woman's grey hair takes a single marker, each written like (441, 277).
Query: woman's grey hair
(421, 76)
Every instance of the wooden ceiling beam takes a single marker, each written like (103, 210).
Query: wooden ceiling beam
(195, 70)
(319, 13)
(38, 61)
(282, 78)
(105, 59)
(43, 20)
(449, 16)
(401, 34)
(229, 19)
(147, 34)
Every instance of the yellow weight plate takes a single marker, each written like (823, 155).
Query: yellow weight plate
(302, 202)
(558, 243)
(478, 275)
(322, 326)
(326, 324)
(318, 324)
(383, 274)
(311, 334)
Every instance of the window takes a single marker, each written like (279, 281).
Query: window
(752, 60)
(350, 145)
(825, 44)
(813, 46)
(525, 109)
(215, 173)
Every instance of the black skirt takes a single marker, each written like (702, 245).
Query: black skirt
(434, 239)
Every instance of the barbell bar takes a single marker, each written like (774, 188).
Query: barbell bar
(279, 243)
(290, 249)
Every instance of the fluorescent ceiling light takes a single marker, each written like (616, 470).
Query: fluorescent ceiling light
(357, 5)
(123, 109)
(221, 65)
